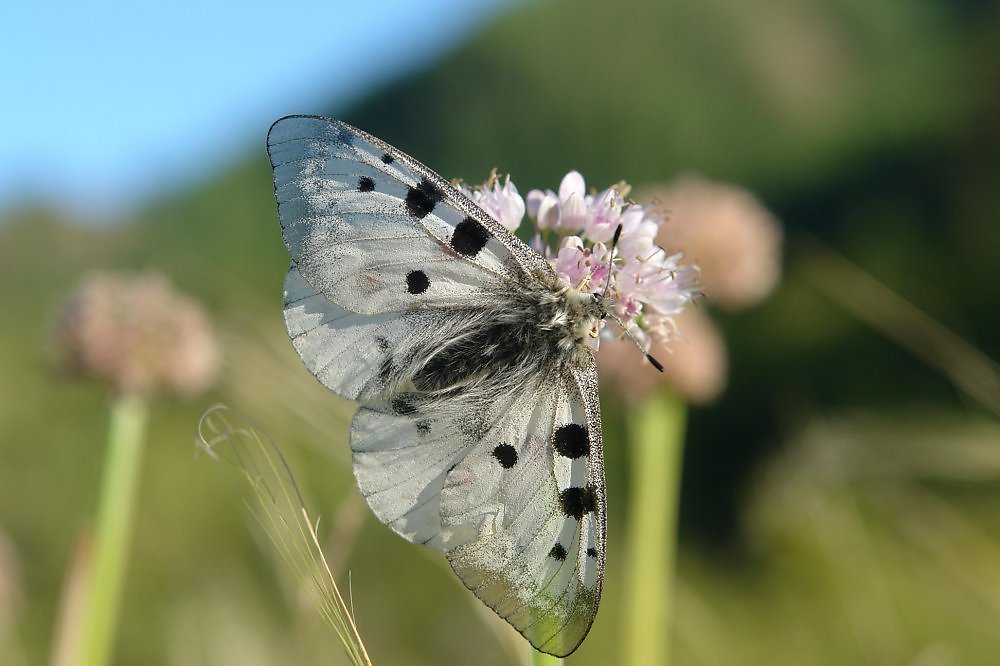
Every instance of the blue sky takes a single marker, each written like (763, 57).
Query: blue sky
(107, 103)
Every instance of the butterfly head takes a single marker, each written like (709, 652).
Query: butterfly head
(600, 307)
(583, 313)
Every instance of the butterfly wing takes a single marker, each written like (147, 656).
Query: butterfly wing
(532, 492)
(512, 489)
(373, 230)
(377, 240)
(387, 257)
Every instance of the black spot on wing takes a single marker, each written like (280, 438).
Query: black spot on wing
(420, 200)
(469, 238)
(506, 455)
(403, 405)
(572, 441)
(577, 502)
(387, 158)
(365, 184)
(592, 552)
(383, 344)
(558, 552)
(417, 282)
(423, 427)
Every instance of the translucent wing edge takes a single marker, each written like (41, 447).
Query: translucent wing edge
(587, 383)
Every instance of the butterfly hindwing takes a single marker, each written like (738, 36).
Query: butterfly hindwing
(533, 490)
(402, 454)
(511, 489)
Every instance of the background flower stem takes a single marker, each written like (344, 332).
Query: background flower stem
(113, 530)
(656, 441)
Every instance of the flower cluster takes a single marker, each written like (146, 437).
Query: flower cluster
(574, 231)
(138, 333)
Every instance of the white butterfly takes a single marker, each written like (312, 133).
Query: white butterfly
(479, 430)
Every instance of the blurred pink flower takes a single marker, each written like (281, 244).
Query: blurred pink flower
(733, 238)
(695, 362)
(138, 333)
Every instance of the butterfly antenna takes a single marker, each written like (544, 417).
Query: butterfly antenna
(649, 357)
(611, 258)
(607, 286)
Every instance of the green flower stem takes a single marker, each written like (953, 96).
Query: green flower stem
(113, 533)
(542, 659)
(656, 442)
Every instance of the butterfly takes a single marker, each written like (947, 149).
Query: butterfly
(479, 426)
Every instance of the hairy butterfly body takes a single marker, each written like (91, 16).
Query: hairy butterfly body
(479, 430)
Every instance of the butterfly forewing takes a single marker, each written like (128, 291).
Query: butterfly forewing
(348, 352)
(359, 217)
(397, 296)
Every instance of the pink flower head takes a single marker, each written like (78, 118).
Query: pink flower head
(605, 212)
(647, 285)
(584, 268)
(566, 211)
(138, 333)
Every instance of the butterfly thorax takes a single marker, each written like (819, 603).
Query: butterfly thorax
(532, 325)
(573, 316)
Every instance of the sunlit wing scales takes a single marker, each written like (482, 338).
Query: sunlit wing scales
(479, 427)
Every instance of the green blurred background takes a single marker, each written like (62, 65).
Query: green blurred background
(840, 501)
